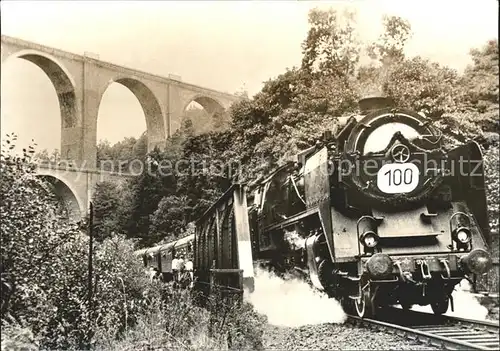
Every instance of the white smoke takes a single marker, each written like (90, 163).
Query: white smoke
(295, 239)
(292, 302)
(464, 303)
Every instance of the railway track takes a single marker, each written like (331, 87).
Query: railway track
(450, 333)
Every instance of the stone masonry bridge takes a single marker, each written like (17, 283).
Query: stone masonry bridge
(80, 82)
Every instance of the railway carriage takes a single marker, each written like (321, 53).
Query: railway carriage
(160, 257)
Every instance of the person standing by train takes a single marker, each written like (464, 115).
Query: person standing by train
(153, 274)
(189, 269)
(180, 267)
(175, 268)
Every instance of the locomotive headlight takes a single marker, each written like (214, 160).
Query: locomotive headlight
(462, 235)
(369, 239)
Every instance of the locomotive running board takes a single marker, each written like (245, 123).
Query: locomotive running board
(291, 220)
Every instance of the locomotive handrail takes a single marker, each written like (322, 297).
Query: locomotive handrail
(296, 189)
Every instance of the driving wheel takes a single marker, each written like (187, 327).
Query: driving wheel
(364, 307)
(347, 305)
(440, 305)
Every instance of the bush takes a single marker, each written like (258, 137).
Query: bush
(45, 260)
(173, 321)
(15, 337)
(49, 305)
(120, 282)
(492, 179)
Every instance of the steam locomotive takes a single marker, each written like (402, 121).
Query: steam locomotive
(379, 213)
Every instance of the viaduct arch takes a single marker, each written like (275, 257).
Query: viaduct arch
(80, 82)
(66, 194)
(76, 187)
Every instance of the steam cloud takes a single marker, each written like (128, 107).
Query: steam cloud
(465, 304)
(295, 239)
(292, 302)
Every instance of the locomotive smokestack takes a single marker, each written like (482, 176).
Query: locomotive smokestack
(374, 102)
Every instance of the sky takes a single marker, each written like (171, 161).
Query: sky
(224, 45)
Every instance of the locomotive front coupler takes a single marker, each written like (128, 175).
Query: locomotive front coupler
(404, 275)
(424, 269)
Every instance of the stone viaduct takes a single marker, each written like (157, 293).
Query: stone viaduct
(80, 82)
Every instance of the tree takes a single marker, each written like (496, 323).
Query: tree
(44, 260)
(34, 240)
(107, 201)
(387, 51)
(55, 156)
(140, 147)
(422, 85)
(197, 121)
(242, 92)
(168, 221)
(480, 86)
(290, 113)
(42, 156)
(331, 47)
(156, 181)
(187, 127)
(390, 45)
(118, 157)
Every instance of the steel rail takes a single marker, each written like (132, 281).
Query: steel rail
(454, 334)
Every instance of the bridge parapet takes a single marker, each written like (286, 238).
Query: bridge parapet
(68, 166)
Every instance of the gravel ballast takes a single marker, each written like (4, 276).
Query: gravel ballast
(335, 337)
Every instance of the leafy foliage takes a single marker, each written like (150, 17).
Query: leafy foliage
(492, 179)
(174, 321)
(331, 47)
(44, 258)
(481, 79)
(390, 45)
(44, 266)
(112, 208)
(422, 85)
(43, 156)
(169, 217)
(118, 157)
(49, 305)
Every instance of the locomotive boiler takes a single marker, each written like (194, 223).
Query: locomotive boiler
(381, 213)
